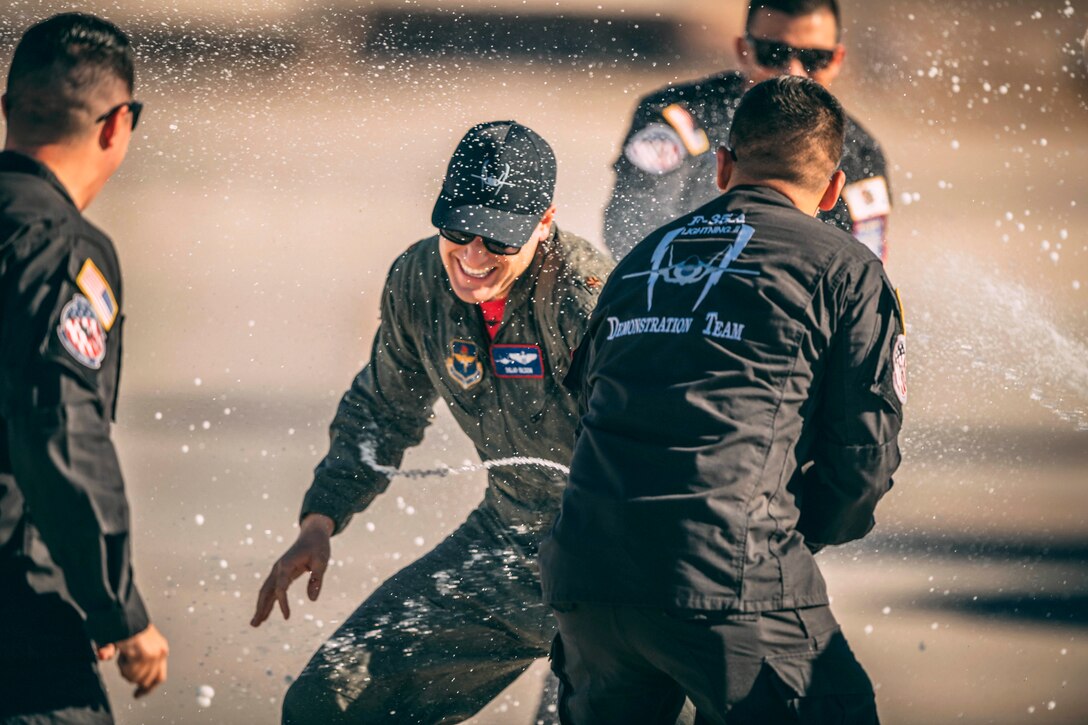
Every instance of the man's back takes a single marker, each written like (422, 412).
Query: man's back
(707, 364)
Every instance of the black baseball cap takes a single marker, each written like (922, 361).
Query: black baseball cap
(499, 183)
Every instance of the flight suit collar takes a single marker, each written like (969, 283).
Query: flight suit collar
(764, 194)
(19, 163)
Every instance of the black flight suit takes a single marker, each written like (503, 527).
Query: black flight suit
(66, 579)
(668, 165)
(742, 381)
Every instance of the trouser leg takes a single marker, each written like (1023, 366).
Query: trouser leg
(48, 671)
(790, 666)
(602, 679)
(625, 664)
(434, 644)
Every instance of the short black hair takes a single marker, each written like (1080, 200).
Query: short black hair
(794, 9)
(789, 129)
(60, 68)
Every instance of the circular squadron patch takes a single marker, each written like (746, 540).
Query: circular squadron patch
(80, 333)
(656, 149)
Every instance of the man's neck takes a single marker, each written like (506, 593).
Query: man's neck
(67, 163)
(804, 200)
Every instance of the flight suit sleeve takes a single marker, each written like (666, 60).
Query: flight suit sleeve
(653, 172)
(384, 412)
(865, 205)
(59, 380)
(860, 414)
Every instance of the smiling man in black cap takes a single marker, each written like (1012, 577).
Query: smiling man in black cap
(485, 316)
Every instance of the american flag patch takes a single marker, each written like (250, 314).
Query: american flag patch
(98, 293)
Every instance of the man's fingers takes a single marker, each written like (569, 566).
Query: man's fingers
(317, 575)
(313, 588)
(291, 566)
(154, 677)
(281, 597)
(265, 601)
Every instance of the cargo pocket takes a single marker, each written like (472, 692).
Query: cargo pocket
(826, 687)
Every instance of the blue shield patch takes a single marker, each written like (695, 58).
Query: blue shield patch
(463, 363)
(518, 361)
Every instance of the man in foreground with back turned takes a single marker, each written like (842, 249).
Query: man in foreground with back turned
(67, 590)
(485, 316)
(742, 381)
(667, 165)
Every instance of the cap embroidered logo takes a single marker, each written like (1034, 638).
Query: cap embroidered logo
(494, 183)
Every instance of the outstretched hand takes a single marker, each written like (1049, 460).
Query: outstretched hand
(309, 553)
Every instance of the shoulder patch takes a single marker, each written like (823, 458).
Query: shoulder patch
(694, 138)
(80, 333)
(463, 364)
(899, 368)
(868, 198)
(98, 294)
(656, 149)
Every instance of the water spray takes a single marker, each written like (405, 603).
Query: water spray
(366, 452)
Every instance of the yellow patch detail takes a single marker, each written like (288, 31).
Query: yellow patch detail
(694, 138)
(902, 317)
(97, 291)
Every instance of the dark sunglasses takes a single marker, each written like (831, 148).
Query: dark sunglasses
(492, 245)
(134, 107)
(772, 54)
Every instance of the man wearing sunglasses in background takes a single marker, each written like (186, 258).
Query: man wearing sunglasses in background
(667, 165)
(67, 593)
(484, 316)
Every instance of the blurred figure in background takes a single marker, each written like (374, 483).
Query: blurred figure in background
(485, 315)
(667, 165)
(743, 381)
(67, 592)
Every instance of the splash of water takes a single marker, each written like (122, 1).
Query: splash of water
(1001, 334)
(366, 452)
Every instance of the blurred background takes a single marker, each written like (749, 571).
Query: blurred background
(290, 149)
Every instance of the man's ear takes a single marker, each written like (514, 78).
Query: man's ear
(831, 193)
(107, 135)
(725, 167)
(831, 72)
(548, 216)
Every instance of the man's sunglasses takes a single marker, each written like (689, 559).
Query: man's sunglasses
(492, 245)
(134, 107)
(772, 54)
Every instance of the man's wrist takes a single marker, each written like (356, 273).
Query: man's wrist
(319, 522)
